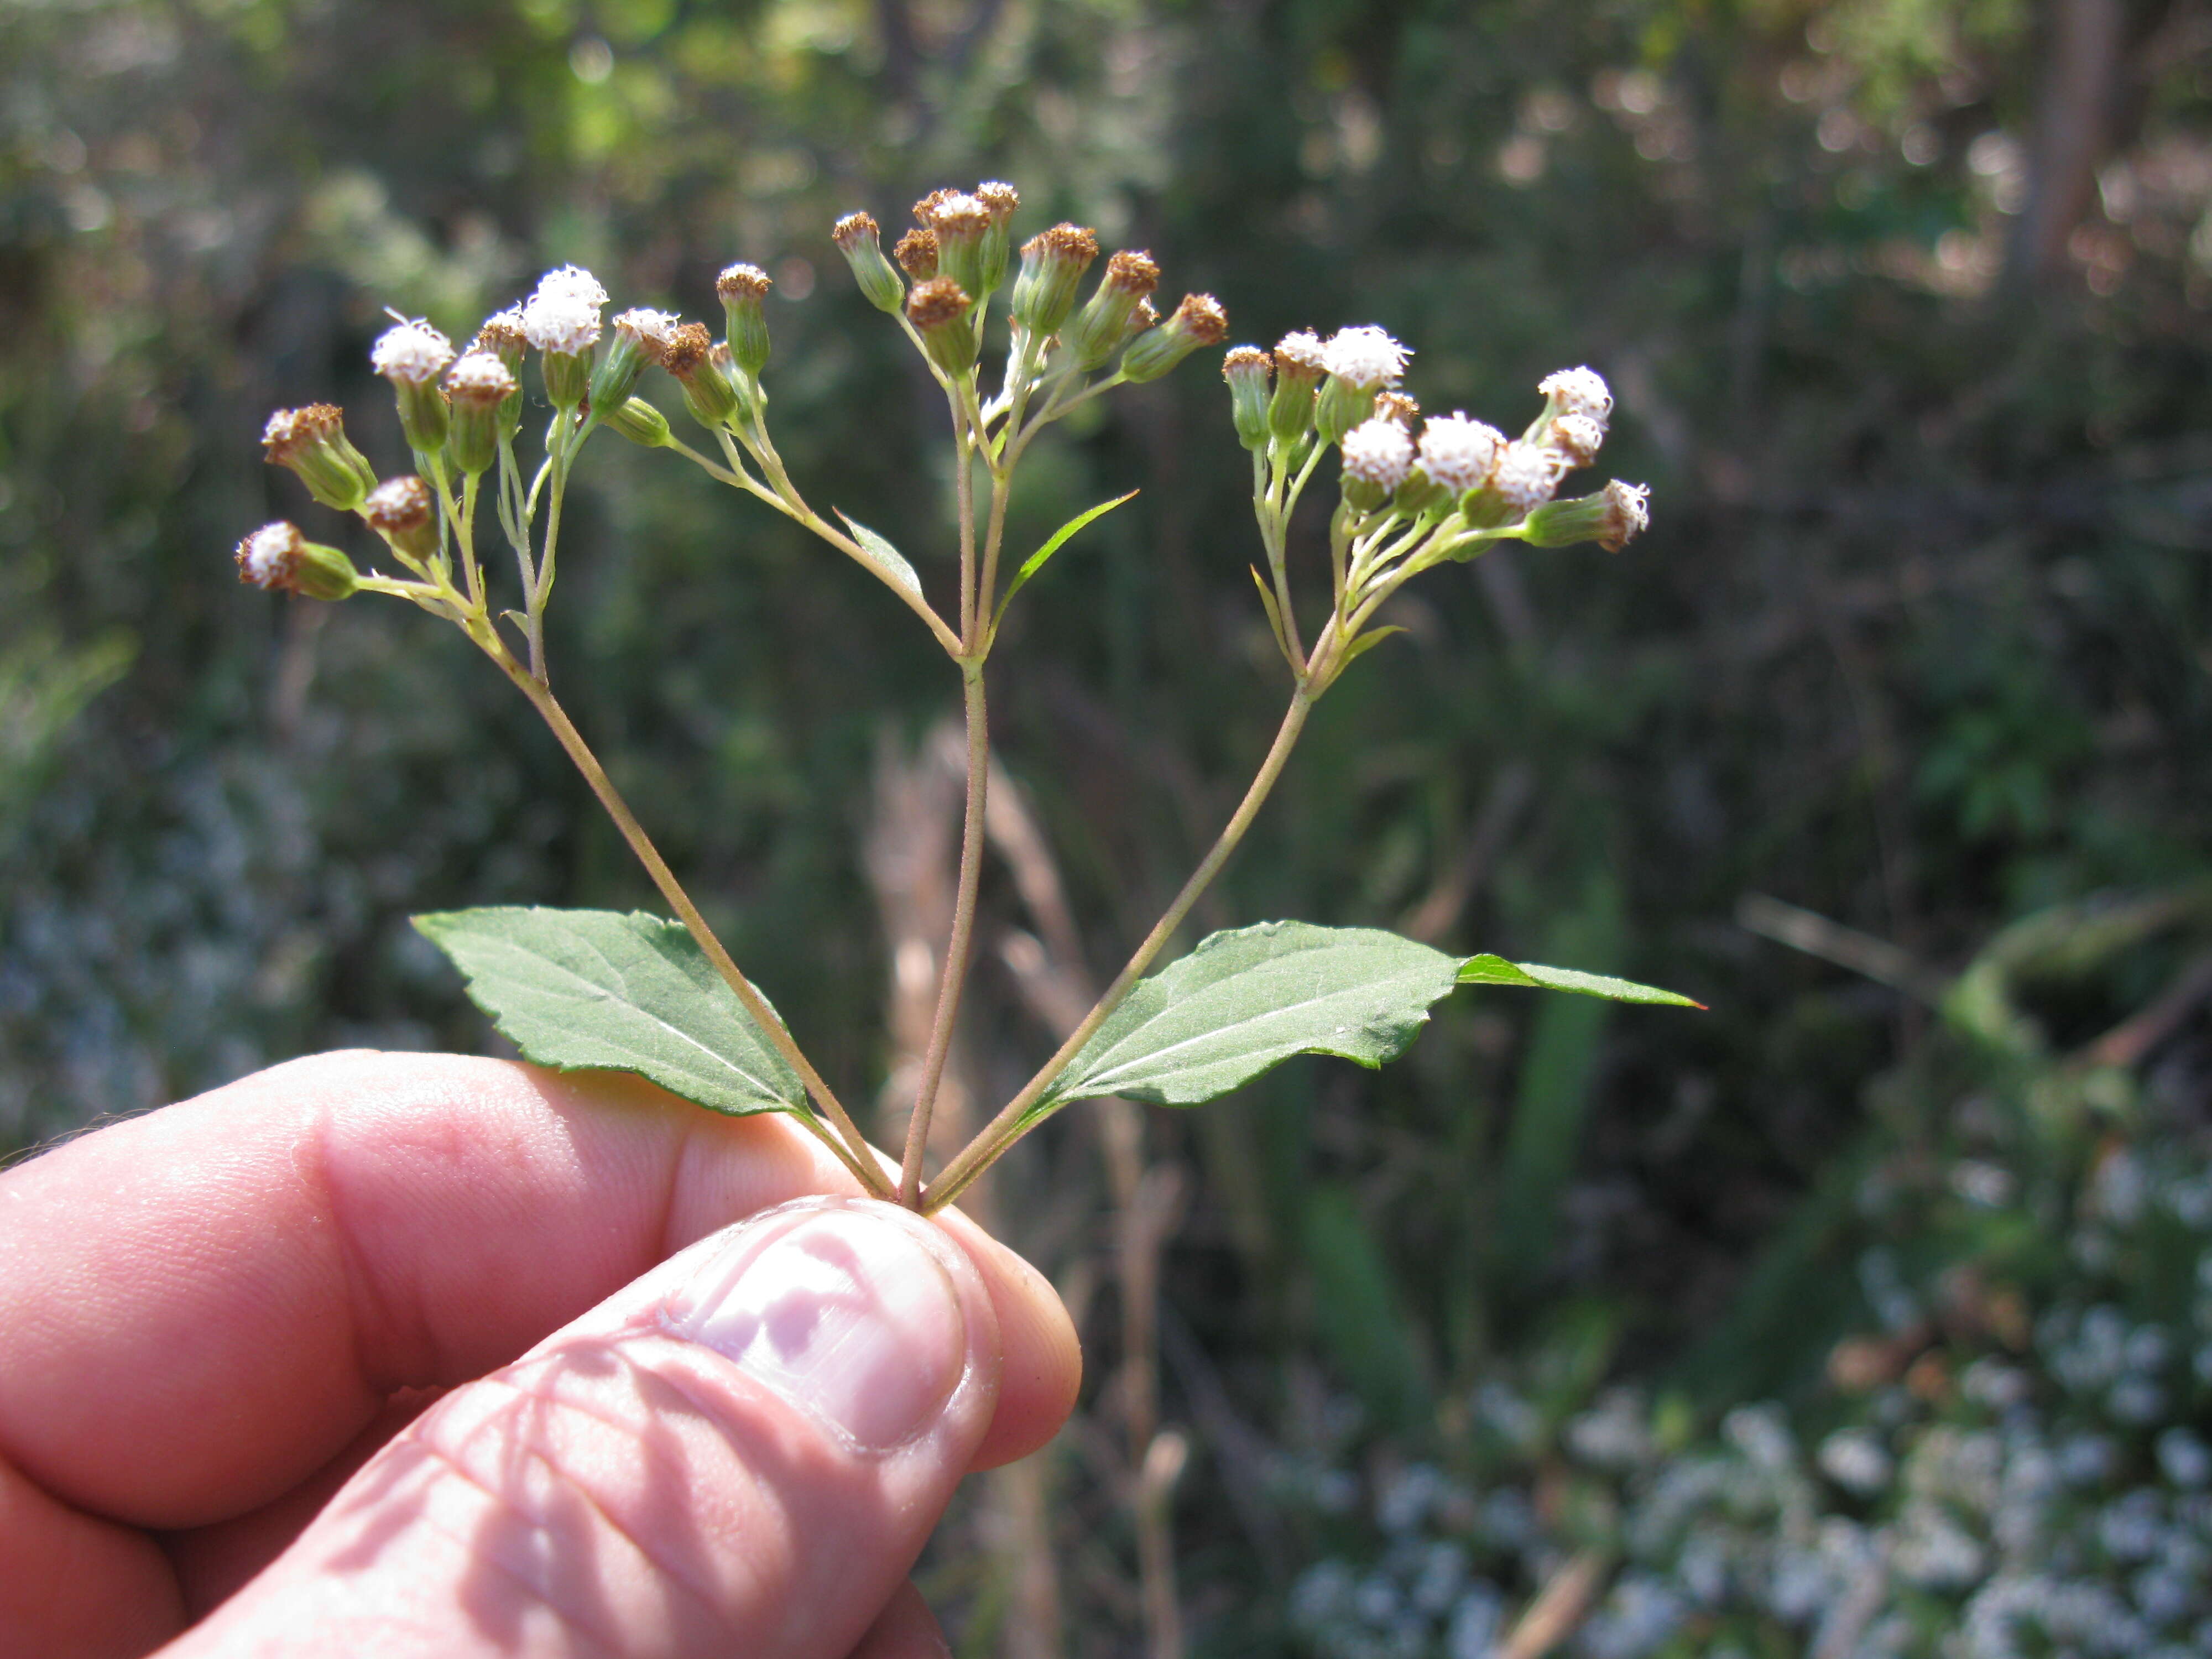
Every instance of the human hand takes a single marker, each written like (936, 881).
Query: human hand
(418, 1354)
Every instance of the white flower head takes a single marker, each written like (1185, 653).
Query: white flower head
(1526, 477)
(479, 378)
(563, 314)
(1459, 453)
(574, 280)
(961, 212)
(1578, 437)
(561, 321)
(413, 352)
(268, 558)
(1364, 357)
(1378, 451)
(1578, 392)
(1627, 515)
(653, 328)
(1302, 352)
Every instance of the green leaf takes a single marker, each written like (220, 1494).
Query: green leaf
(1274, 612)
(1034, 562)
(888, 562)
(597, 990)
(1496, 971)
(1245, 1000)
(1366, 642)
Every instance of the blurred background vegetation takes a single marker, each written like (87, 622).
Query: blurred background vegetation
(1867, 1307)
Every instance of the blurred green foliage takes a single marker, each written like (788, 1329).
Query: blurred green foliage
(1917, 642)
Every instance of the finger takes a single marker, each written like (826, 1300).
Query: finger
(72, 1584)
(744, 1452)
(205, 1305)
(212, 1563)
(906, 1629)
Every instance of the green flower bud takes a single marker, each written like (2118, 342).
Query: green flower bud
(1001, 199)
(412, 357)
(1612, 518)
(742, 289)
(860, 240)
(961, 222)
(277, 558)
(639, 421)
(311, 442)
(1198, 321)
(1298, 371)
(568, 377)
(640, 337)
(1247, 369)
(477, 386)
(938, 310)
(401, 511)
(709, 393)
(1053, 263)
(1103, 323)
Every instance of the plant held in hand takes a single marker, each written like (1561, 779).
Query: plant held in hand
(589, 989)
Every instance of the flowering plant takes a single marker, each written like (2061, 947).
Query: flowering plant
(583, 988)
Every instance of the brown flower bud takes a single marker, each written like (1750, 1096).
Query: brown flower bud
(916, 253)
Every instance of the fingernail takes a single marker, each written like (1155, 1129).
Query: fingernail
(845, 1313)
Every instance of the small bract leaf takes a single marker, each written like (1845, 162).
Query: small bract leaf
(1496, 971)
(1245, 1000)
(597, 990)
(888, 561)
(1034, 562)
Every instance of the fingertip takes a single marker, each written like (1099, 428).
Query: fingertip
(906, 1629)
(1043, 1366)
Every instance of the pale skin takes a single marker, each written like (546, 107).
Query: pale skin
(374, 1353)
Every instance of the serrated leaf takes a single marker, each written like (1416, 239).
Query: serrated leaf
(1496, 971)
(887, 560)
(597, 990)
(1059, 537)
(1243, 1001)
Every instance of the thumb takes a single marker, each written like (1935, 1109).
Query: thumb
(742, 1452)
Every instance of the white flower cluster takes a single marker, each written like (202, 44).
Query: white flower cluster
(652, 327)
(1458, 453)
(563, 314)
(1378, 451)
(1363, 356)
(266, 557)
(413, 352)
(479, 377)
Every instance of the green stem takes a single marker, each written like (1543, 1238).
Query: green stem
(1010, 1125)
(964, 495)
(959, 946)
(861, 1159)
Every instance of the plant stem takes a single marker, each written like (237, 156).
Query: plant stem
(860, 1160)
(958, 947)
(964, 492)
(1008, 1126)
